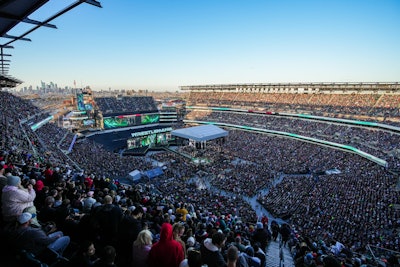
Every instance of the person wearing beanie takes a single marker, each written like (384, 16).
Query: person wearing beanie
(13, 180)
(15, 198)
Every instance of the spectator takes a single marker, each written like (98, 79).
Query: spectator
(48, 212)
(285, 233)
(211, 250)
(178, 229)
(193, 259)
(181, 211)
(252, 261)
(238, 244)
(85, 256)
(35, 240)
(235, 258)
(107, 258)
(15, 199)
(261, 235)
(141, 248)
(166, 252)
(107, 218)
(128, 231)
(88, 202)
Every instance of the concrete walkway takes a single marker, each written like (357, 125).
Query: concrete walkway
(277, 257)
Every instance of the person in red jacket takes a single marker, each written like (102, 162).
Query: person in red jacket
(167, 252)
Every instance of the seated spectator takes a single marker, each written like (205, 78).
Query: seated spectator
(35, 240)
(85, 256)
(107, 258)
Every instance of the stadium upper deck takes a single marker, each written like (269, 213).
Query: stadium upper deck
(362, 101)
(346, 88)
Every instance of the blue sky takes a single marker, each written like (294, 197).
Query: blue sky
(161, 45)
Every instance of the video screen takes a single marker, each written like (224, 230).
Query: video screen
(150, 118)
(110, 123)
(88, 122)
(88, 106)
(80, 102)
(151, 140)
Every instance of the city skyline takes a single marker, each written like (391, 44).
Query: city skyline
(154, 45)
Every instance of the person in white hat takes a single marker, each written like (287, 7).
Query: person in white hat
(35, 240)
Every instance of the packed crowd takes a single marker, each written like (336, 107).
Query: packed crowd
(378, 142)
(77, 204)
(373, 106)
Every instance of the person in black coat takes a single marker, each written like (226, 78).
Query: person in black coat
(261, 235)
(211, 250)
(128, 230)
(285, 233)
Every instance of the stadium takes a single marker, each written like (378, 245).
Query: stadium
(319, 160)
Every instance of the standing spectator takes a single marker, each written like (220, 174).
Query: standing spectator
(128, 231)
(259, 253)
(275, 230)
(182, 211)
(211, 250)
(261, 235)
(89, 181)
(167, 252)
(238, 244)
(57, 176)
(141, 248)
(252, 260)
(178, 229)
(48, 175)
(88, 202)
(285, 233)
(107, 218)
(48, 212)
(193, 259)
(41, 196)
(232, 256)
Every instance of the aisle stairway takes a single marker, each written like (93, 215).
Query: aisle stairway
(274, 257)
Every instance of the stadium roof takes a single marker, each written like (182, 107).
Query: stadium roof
(200, 133)
(13, 12)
